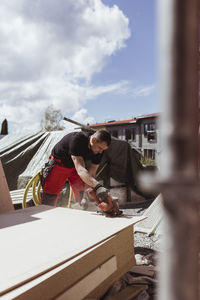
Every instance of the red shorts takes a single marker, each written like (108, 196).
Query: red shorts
(56, 179)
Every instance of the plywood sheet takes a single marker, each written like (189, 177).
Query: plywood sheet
(5, 199)
(84, 286)
(37, 239)
(58, 280)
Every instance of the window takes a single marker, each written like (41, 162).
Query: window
(148, 127)
(114, 133)
(127, 134)
(150, 153)
(133, 134)
(151, 136)
(150, 132)
(130, 134)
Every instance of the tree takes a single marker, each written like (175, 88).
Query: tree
(52, 118)
(4, 127)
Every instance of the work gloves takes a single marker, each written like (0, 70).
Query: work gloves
(101, 192)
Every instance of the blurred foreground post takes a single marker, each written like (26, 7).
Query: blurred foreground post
(179, 72)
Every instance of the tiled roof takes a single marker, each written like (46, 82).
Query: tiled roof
(148, 116)
(128, 121)
(114, 123)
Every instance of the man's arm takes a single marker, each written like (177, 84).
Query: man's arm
(83, 172)
(93, 169)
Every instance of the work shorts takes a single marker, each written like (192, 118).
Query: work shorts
(55, 178)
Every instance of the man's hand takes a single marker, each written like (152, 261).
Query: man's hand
(101, 192)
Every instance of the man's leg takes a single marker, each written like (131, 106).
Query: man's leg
(49, 199)
(54, 184)
(77, 185)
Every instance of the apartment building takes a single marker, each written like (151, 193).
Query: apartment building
(141, 132)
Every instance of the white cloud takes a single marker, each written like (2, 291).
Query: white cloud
(82, 117)
(143, 91)
(50, 51)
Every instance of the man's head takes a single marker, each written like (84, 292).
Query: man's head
(100, 141)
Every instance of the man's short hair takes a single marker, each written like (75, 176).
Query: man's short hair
(103, 136)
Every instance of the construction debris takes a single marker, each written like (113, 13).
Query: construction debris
(154, 216)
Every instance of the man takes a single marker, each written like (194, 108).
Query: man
(67, 162)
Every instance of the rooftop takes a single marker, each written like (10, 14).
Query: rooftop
(128, 121)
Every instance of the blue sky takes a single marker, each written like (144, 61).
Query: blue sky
(136, 63)
(94, 60)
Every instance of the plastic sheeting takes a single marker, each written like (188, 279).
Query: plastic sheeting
(23, 156)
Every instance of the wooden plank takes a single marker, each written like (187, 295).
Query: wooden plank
(19, 192)
(38, 239)
(17, 196)
(5, 199)
(124, 247)
(86, 285)
(59, 279)
(16, 192)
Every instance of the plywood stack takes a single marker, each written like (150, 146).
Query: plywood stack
(60, 253)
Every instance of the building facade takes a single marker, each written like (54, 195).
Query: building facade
(142, 133)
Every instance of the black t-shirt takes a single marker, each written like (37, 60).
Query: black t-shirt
(75, 143)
